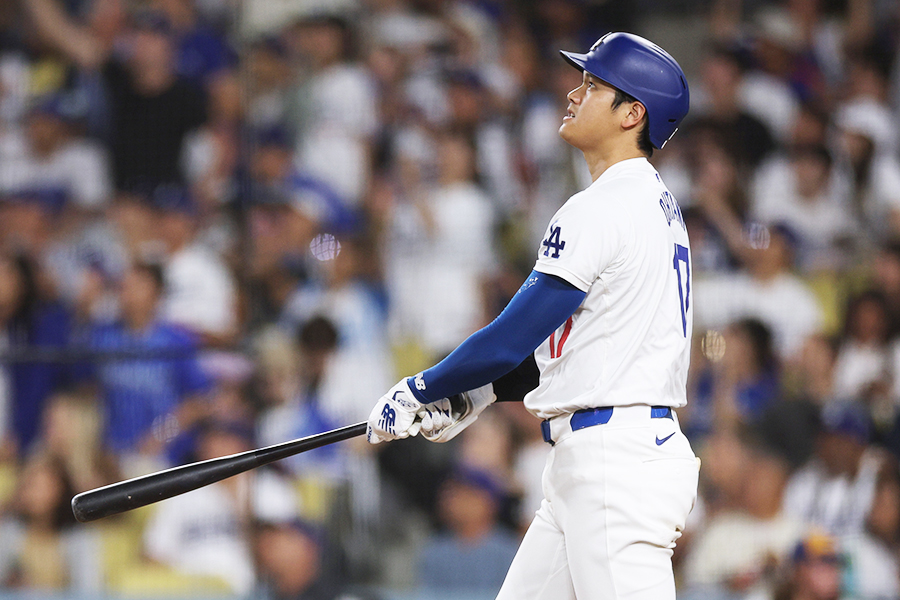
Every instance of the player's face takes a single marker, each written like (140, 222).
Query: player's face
(590, 118)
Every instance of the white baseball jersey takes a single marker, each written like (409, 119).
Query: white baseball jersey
(622, 241)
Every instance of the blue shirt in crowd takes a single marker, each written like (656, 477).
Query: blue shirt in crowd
(450, 564)
(140, 391)
(47, 327)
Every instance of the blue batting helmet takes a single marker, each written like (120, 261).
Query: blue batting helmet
(643, 70)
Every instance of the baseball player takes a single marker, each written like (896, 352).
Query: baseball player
(607, 312)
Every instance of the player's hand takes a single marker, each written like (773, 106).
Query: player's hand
(442, 421)
(394, 416)
(434, 417)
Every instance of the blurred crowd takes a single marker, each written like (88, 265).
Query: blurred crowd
(228, 224)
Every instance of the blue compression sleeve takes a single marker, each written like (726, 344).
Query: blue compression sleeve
(541, 305)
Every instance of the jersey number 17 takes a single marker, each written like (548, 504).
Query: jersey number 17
(684, 285)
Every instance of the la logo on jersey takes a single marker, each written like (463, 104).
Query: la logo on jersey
(553, 242)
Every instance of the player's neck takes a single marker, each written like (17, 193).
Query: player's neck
(599, 160)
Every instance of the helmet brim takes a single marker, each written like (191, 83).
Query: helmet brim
(579, 61)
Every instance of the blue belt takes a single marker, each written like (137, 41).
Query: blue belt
(588, 417)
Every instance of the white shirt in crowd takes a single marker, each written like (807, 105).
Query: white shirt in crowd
(857, 367)
(771, 100)
(735, 543)
(204, 533)
(435, 277)
(200, 291)
(340, 117)
(819, 221)
(837, 504)
(784, 304)
(362, 359)
(80, 168)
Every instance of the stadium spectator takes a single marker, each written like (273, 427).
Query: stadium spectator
(287, 211)
(740, 548)
(449, 226)
(768, 291)
(867, 144)
(295, 564)
(199, 292)
(739, 387)
(343, 296)
(29, 219)
(718, 204)
(474, 553)
(207, 531)
(836, 488)
(159, 392)
(30, 321)
(269, 79)
(862, 369)
(885, 277)
(872, 569)
(202, 53)
(72, 434)
(151, 107)
(552, 171)
(815, 572)
(803, 191)
(747, 138)
(293, 395)
(52, 155)
(770, 91)
(334, 111)
(811, 378)
(40, 549)
(472, 112)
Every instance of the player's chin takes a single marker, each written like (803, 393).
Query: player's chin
(568, 132)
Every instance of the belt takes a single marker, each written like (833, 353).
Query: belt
(588, 417)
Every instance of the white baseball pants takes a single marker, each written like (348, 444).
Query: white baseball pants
(616, 497)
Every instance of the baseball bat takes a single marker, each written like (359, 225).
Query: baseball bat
(141, 491)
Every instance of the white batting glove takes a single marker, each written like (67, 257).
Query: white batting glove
(442, 421)
(434, 417)
(394, 416)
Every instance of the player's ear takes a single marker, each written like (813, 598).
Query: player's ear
(634, 115)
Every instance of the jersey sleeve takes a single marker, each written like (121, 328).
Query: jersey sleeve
(584, 238)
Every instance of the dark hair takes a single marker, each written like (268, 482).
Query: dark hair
(26, 269)
(870, 296)
(873, 56)
(62, 512)
(815, 152)
(154, 271)
(737, 55)
(318, 334)
(760, 337)
(891, 247)
(644, 143)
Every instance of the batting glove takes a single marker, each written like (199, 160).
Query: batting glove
(394, 416)
(442, 421)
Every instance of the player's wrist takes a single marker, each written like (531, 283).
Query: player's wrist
(416, 386)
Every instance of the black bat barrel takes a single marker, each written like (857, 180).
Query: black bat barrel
(141, 491)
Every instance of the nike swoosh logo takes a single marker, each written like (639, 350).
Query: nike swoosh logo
(660, 442)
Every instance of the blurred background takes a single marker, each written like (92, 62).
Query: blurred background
(225, 224)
